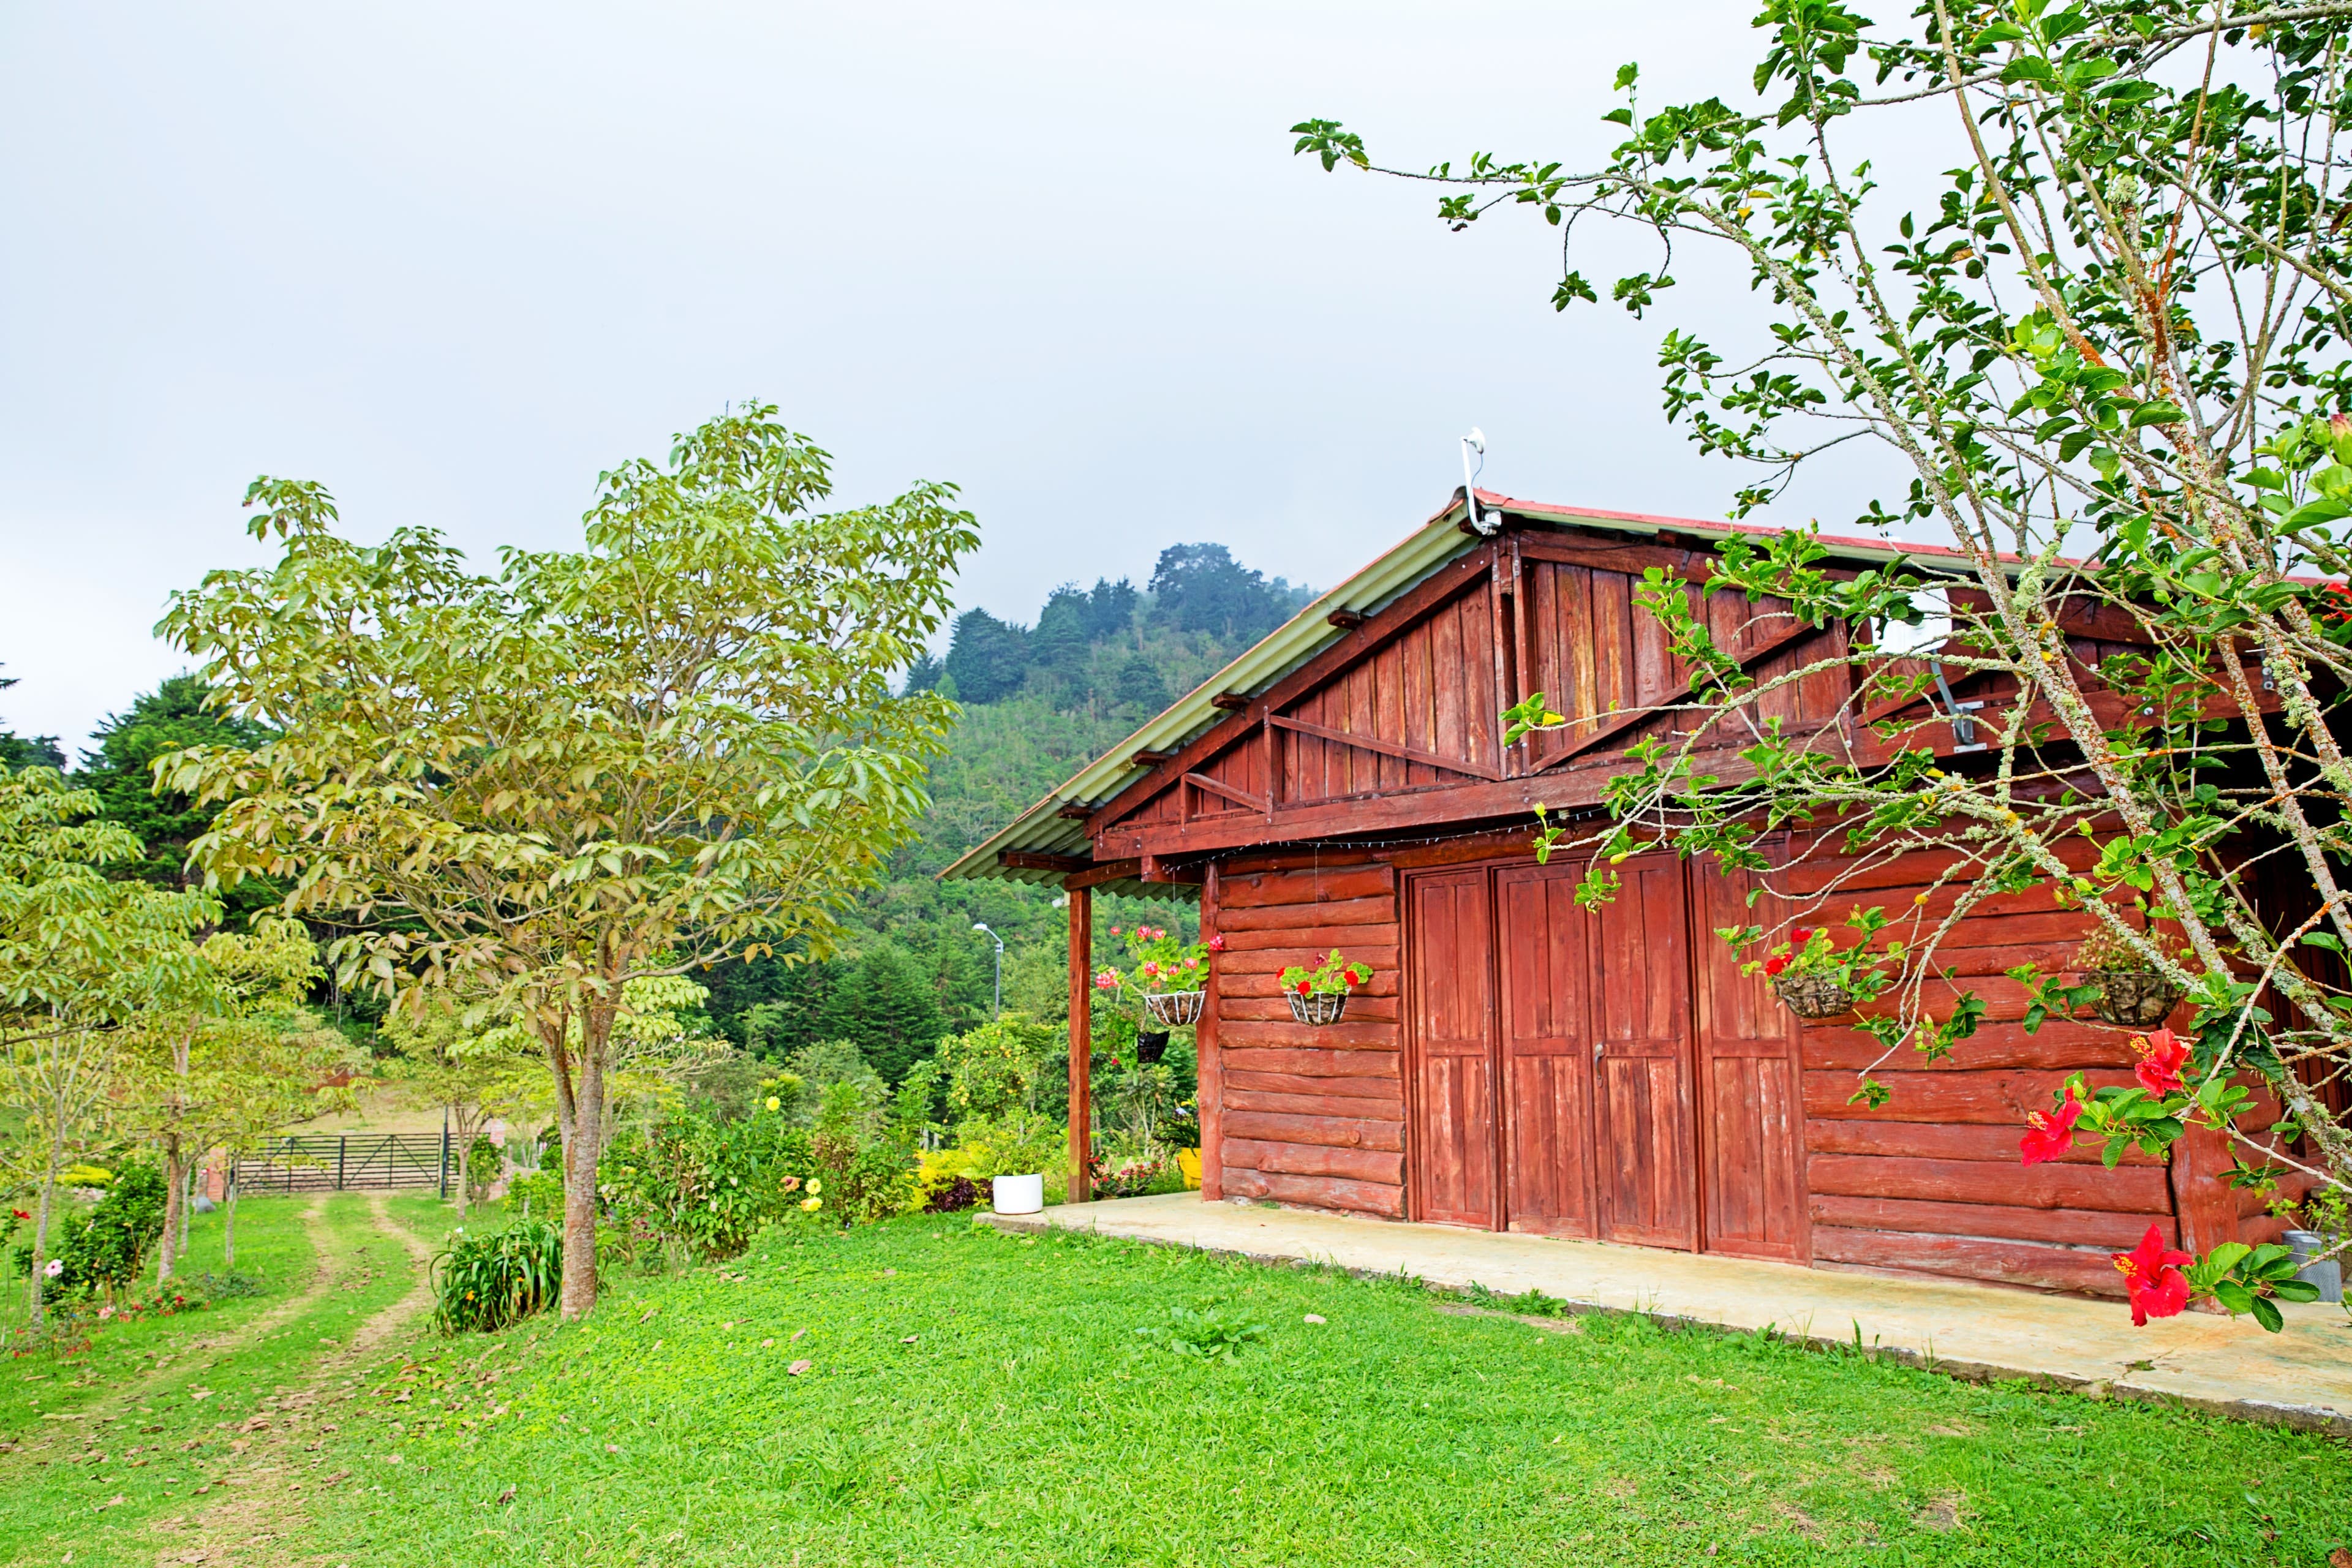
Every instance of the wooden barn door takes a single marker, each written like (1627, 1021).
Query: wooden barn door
(1647, 1150)
(1450, 935)
(1751, 1113)
(1546, 1051)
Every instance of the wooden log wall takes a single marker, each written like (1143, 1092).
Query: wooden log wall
(1311, 1116)
(1931, 1181)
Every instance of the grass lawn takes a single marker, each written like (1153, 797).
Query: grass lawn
(103, 1444)
(976, 1398)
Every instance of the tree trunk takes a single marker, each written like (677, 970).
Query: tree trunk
(36, 1307)
(583, 1147)
(188, 1201)
(169, 1245)
(229, 1222)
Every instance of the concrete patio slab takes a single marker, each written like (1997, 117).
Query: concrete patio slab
(2302, 1377)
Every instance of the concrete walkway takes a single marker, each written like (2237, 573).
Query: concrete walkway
(2302, 1377)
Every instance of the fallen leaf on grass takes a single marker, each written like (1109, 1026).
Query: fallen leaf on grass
(766, 1342)
(648, 1317)
(797, 1333)
(200, 1393)
(2340, 1557)
(910, 1339)
(798, 1367)
(506, 1497)
(1317, 1317)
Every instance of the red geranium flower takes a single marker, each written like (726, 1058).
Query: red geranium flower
(1305, 987)
(1801, 935)
(2050, 1133)
(2153, 1279)
(1777, 962)
(1217, 943)
(2162, 1055)
(1114, 930)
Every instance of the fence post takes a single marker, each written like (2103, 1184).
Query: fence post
(343, 1147)
(443, 1191)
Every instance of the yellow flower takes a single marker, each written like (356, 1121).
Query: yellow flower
(815, 1186)
(812, 1205)
(1921, 899)
(773, 1103)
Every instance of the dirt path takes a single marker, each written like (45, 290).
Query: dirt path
(72, 1426)
(255, 1524)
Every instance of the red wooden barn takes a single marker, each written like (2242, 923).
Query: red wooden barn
(1518, 1062)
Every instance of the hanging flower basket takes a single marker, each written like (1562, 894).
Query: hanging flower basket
(1319, 1008)
(2135, 998)
(2131, 992)
(1174, 1008)
(1813, 996)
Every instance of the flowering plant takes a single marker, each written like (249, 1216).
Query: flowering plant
(1162, 963)
(1334, 976)
(2149, 1114)
(1812, 951)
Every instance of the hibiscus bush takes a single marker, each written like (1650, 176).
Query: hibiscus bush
(2149, 1114)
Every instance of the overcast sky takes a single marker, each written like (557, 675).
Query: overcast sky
(453, 260)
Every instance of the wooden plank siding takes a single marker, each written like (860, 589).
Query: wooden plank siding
(1307, 1115)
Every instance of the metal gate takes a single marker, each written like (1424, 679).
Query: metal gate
(374, 1162)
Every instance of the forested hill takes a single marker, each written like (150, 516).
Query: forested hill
(1040, 701)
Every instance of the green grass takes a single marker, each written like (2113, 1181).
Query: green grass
(172, 1388)
(981, 1399)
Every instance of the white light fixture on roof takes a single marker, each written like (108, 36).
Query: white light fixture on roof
(1475, 442)
(1925, 638)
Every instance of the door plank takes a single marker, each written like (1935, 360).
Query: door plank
(1647, 1152)
(1546, 1049)
(1454, 1164)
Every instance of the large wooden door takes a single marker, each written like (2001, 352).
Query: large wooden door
(1450, 933)
(1751, 1116)
(1646, 1154)
(1547, 1041)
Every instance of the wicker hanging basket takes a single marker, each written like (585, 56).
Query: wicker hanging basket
(2135, 998)
(1318, 1007)
(1814, 995)
(1174, 1008)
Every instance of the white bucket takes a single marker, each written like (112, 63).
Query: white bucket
(1019, 1195)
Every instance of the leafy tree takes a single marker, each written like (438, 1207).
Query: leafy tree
(923, 673)
(233, 1057)
(1201, 588)
(885, 1005)
(80, 954)
(2109, 346)
(1060, 640)
(595, 768)
(28, 750)
(174, 716)
(1139, 684)
(987, 659)
(1110, 609)
(470, 1074)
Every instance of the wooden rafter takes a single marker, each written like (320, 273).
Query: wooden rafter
(1384, 748)
(1256, 802)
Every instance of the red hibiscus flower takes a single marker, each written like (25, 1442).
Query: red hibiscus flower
(1777, 962)
(2153, 1279)
(1217, 943)
(2162, 1055)
(2050, 1133)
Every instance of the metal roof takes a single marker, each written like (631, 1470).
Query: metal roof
(1042, 830)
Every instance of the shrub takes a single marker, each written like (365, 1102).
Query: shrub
(537, 1192)
(486, 1282)
(704, 1186)
(105, 1249)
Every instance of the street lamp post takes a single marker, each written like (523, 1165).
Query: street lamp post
(999, 1010)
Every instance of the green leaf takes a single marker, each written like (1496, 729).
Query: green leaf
(2156, 411)
(2267, 1314)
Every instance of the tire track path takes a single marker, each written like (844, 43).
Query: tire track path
(262, 1518)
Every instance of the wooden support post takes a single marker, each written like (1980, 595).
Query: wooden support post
(1082, 944)
(1209, 1100)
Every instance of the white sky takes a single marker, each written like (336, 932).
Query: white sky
(453, 260)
